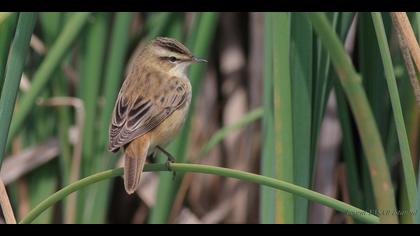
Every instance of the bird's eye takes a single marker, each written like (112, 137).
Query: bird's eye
(172, 59)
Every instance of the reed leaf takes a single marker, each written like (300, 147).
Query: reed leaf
(14, 70)
(371, 141)
(408, 169)
(267, 195)
(301, 86)
(89, 92)
(283, 124)
(7, 29)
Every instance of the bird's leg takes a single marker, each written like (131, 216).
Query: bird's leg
(153, 156)
(167, 154)
(170, 160)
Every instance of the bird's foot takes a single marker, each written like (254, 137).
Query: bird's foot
(169, 161)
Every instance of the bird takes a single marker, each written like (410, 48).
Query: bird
(151, 106)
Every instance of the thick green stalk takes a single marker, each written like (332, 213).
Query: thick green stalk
(90, 84)
(369, 60)
(44, 181)
(51, 23)
(177, 25)
(88, 89)
(14, 70)
(7, 30)
(408, 170)
(205, 169)
(371, 141)
(282, 114)
(301, 80)
(267, 195)
(46, 69)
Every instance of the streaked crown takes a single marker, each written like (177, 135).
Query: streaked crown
(172, 45)
(170, 49)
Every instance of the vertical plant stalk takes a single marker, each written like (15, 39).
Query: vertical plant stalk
(46, 69)
(411, 71)
(369, 59)
(403, 24)
(90, 84)
(20, 48)
(51, 25)
(267, 195)
(7, 30)
(92, 204)
(302, 80)
(408, 170)
(282, 114)
(407, 58)
(6, 207)
(369, 134)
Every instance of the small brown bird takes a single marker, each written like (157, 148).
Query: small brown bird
(151, 106)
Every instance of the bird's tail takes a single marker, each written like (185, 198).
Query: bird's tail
(134, 158)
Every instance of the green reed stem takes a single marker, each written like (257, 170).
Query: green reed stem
(205, 169)
(408, 169)
(14, 70)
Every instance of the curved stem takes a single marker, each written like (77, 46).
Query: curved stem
(204, 169)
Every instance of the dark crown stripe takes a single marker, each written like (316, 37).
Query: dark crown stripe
(173, 47)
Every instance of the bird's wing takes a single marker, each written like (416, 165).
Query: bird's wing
(133, 118)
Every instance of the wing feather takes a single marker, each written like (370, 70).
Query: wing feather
(133, 118)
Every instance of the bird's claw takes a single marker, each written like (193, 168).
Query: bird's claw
(169, 161)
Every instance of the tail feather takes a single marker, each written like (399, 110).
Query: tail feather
(134, 159)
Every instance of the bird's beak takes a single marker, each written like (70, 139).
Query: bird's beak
(199, 60)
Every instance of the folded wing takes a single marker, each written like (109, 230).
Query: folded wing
(134, 116)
